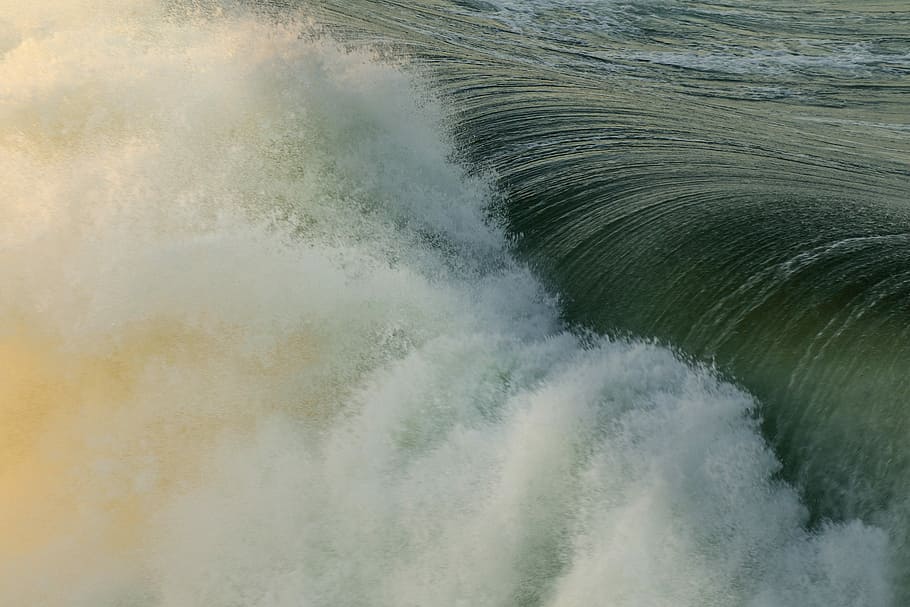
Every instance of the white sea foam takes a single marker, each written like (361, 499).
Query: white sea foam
(258, 346)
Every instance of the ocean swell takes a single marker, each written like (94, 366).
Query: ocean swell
(728, 179)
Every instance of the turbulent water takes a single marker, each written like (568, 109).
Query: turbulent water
(458, 303)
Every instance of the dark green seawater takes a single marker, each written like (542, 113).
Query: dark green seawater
(729, 178)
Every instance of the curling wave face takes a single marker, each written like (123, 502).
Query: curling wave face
(729, 178)
(261, 344)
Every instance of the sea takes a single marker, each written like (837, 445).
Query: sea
(454, 303)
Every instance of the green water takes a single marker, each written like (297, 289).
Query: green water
(732, 179)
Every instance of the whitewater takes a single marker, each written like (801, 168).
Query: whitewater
(263, 342)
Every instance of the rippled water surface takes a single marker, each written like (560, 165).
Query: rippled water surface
(730, 178)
